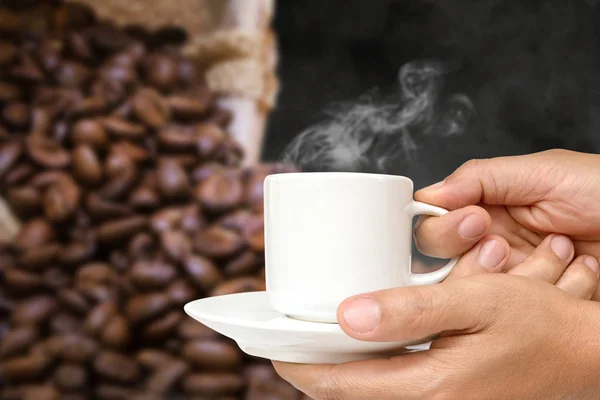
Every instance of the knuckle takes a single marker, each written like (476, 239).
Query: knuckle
(419, 306)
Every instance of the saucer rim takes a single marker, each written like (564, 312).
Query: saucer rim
(292, 325)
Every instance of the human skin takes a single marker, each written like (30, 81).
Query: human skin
(503, 336)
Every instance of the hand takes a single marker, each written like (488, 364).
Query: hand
(503, 336)
(522, 199)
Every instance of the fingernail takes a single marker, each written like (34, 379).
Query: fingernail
(562, 247)
(435, 186)
(491, 254)
(472, 226)
(362, 315)
(592, 263)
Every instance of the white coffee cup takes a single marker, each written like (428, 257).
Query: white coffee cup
(332, 235)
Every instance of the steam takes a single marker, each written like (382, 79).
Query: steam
(370, 135)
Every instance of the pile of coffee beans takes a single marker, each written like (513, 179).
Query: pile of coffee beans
(133, 202)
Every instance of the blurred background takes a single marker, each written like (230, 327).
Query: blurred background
(135, 137)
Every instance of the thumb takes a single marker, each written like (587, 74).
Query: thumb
(414, 313)
(514, 181)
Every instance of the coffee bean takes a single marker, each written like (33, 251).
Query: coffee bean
(44, 392)
(160, 329)
(153, 359)
(77, 46)
(73, 300)
(39, 257)
(143, 307)
(61, 200)
(244, 264)
(77, 252)
(130, 151)
(209, 139)
(46, 152)
(34, 233)
(9, 154)
(9, 21)
(99, 317)
(70, 377)
(117, 367)
(144, 198)
(167, 376)
(71, 74)
(142, 246)
(8, 53)
(172, 180)
(26, 70)
(17, 115)
(212, 354)
(173, 138)
(55, 278)
(212, 384)
(188, 108)
(239, 285)
(190, 329)
(150, 108)
(24, 367)
(202, 272)
(220, 192)
(64, 323)
(89, 106)
(153, 274)
(49, 55)
(181, 292)
(254, 234)
(106, 37)
(86, 165)
(161, 71)
(21, 280)
(90, 132)
(176, 245)
(113, 392)
(17, 340)
(73, 347)
(166, 219)
(100, 208)
(9, 92)
(115, 231)
(24, 201)
(123, 129)
(192, 219)
(217, 242)
(116, 334)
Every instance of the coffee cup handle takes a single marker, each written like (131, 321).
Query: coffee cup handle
(418, 208)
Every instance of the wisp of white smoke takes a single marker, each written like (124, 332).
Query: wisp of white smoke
(368, 136)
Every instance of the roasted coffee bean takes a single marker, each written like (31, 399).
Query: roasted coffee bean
(190, 329)
(55, 278)
(70, 377)
(73, 300)
(167, 376)
(174, 138)
(46, 152)
(24, 201)
(166, 219)
(172, 180)
(113, 392)
(176, 245)
(18, 340)
(187, 108)
(123, 129)
(71, 74)
(17, 115)
(19, 174)
(150, 108)
(205, 170)
(143, 307)
(61, 200)
(8, 53)
(64, 323)
(89, 106)
(152, 274)
(99, 317)
(24, 367)
(218, 242)
(116, 366)
(96, 272)
(144, 198)
(212, 384)
(212, 354)
(153, 359)
(220, 192)
(161, 71)
(239, 285)
(86, 165)
(115, 231)
(116, 334)
(209, 139)
(161, 328)
(131, 151)
(202, 272)
(9, 155)
(101, 208)
(39, 257)
(34, 233)
(181, 292)
(244, 264)
(73, 347)
(77, 252)
(254, 234)
(9, 92)
(21, 280)
(142, 246)
(90, 132)
(45, 179)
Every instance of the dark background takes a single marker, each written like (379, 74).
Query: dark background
(532, 69)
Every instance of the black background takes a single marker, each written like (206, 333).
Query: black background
(532, 69)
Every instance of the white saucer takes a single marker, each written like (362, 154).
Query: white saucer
(260, 331)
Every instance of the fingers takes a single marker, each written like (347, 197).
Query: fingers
(413, 313)
(452, 234)
(490, 255)
(548, 261)
(580, 278)
(517, 180)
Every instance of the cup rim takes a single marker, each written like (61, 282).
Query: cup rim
(343, 175)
